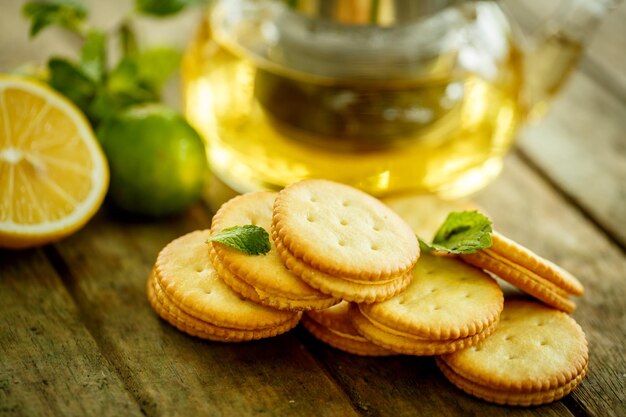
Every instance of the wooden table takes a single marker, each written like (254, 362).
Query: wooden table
(78, 338)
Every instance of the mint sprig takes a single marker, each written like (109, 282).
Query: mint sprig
(68, 14)
(250, 239)
(103, 88)
(461, 233)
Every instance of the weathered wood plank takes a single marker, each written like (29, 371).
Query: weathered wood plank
(168, 372)
(580, 147)
(529, 211)
(604, 58)
(49, 363)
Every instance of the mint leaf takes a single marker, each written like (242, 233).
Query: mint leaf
(93, 55)
(461, 233)
(250, 239)
(69, 79)
(65, 13)
(162, 8)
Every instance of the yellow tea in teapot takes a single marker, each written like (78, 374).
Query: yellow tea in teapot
(276, 104)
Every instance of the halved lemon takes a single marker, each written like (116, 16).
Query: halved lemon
(53, 174)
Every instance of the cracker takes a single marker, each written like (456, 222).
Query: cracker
(524, 399)
(529, 260)
(525, 280)
(409, 344)
(342, 288)
(447, 299)
(258, 296)
(425, 213)
(354, 344)
(199, 328)
(342, 231)
(184, 271)
(268, 280)
(336, 317)
(535, 348)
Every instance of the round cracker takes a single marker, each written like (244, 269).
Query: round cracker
(524, 399)
(534, 348)
(342, 231)
(258, 296)
(275, 285)
(409, 344)
(355, 344)
(184, 271)
(340, 288)
(524, 257)
(447, 299)
(336, 317)
(199, 328)
(525, 280)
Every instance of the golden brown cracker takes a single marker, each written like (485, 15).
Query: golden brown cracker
(354, 344)
(534, 348)
(518, 254)
(272, 282)
(409, 344)
(447, 299)
(525, 280)
(184, 271)
(524, 399)
(342, 231)
(340, 288)
(199, 328)
(258, 296)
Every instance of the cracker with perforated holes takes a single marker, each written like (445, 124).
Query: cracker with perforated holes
(447, 299)
(342, 231)
(535, 351)
(263, 279)
(528, 271)
(188, 293)
(334, 327)
(342, 241)
(447, 306)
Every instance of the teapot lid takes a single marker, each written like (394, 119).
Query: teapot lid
(370, 12)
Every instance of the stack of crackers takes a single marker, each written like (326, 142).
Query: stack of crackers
(349, 267)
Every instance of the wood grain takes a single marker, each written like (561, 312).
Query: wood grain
(580, 147)
(605, 58)
(49, 363)
(168, 372)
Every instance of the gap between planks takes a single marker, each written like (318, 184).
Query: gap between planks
(568, 198)
(68, 279)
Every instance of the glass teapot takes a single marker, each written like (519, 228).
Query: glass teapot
(389, 96)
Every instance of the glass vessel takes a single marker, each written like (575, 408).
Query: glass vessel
(388, 96)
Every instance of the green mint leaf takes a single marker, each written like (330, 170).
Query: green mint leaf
(93, 55)
(125, 81)
(122, 89)
(461, 233)
(68, 14)
(69, 79)
(160, 8)
(250, 239)
(156, 65)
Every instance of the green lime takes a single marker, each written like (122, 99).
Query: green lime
(157, 160)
